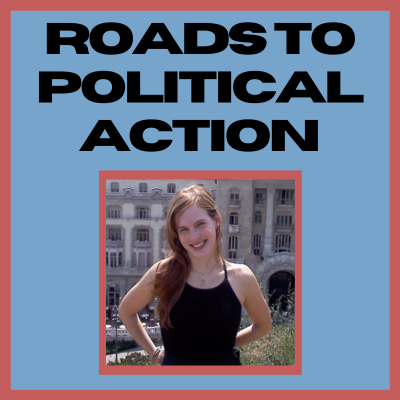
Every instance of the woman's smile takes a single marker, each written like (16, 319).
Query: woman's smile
(199, 245)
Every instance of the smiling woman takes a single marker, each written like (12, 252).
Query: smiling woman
(200, 295)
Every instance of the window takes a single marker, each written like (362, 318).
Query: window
(149, 263)
(119, 259)
(143, 187)
(232, 254)
(113, 258)
(287, 196)
(259, 197)
(233, 242)
(282, 243)
(142, 235)
(233, 245)
(143, 213)
(106, 257)
(171, 188)
(257, 245)
(284, 220)
(258, 217)
(233, 219)
(114, 234)
(115, 187)
(234, 197)
(114, 212)
(113, 294)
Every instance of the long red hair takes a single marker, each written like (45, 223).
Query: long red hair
(173, 272)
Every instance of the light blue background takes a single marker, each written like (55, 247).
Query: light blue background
(345, 194)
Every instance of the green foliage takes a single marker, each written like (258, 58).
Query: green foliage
(122, 345)
(278, 347)
(133, 359)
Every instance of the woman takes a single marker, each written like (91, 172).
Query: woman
(200, 294)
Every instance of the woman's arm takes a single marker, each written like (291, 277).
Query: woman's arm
(137, 298)
(256, 308)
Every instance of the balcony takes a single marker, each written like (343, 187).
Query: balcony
(118, 270)
(113, 243)
(285, 202)
(233, 229)
(142, 244)
(135, 218)
(234, 203)
(284, 228)
(258, 203)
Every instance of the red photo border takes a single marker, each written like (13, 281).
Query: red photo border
(7, 6)
(198, 370)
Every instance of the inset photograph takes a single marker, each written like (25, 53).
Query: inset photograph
(200, 272)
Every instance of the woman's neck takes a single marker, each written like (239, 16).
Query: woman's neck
(204, 266)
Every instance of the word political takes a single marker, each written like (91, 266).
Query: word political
(247, 42)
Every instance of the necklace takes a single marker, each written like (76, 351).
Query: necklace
(203, 278)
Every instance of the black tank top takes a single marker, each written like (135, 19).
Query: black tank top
(205, 323)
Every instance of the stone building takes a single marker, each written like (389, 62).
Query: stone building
(258, 220)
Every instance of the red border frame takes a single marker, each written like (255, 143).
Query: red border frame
(198, 370)
(207, 5)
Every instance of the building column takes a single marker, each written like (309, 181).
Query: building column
(269, 223)
(127, 247)
(156, 244)
(294, 222)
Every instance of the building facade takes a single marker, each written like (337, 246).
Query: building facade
(258, 221)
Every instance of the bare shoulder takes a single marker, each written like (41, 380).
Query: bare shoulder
(242, 280)
(241, 273)
(240, 270)
(155, 268)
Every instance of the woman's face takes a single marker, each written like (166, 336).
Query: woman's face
(197, 232)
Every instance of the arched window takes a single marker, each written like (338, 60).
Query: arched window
(143, 235)
(114, 186)
(143, 187)
(233, 219)
(282, 243)
(257, 245)
(114, 234)
(171, 188)
(258, 217)
(234, 197)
